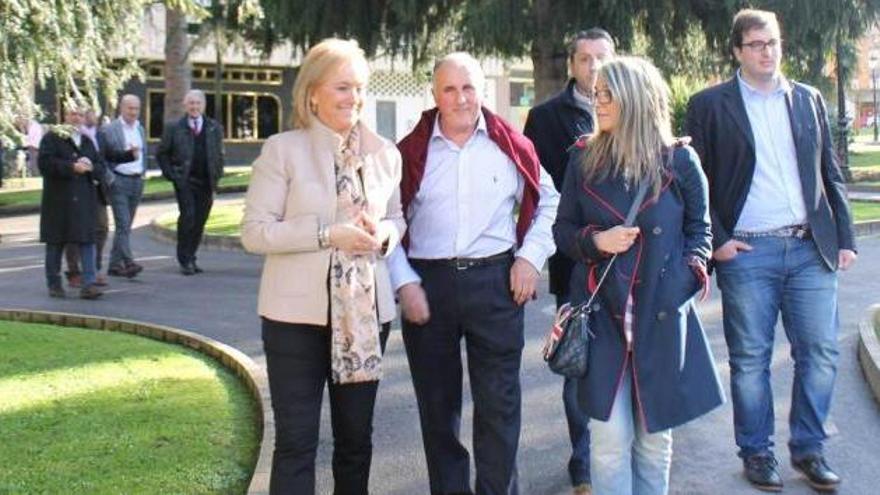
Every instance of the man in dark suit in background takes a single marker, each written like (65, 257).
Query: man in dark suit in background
(191, 156)
(781, 227)
(553, 127)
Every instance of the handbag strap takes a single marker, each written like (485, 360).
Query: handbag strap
(628, 222)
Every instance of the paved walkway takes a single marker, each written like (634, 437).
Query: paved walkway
(221, 302)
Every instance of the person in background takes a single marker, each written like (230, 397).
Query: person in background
(190, 155)
(553, 127)
(71, 166)
(124, 147)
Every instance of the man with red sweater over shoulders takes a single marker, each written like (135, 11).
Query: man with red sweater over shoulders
(468, 271)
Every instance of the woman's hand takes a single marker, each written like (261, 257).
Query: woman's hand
(616, 239)
(353, 238)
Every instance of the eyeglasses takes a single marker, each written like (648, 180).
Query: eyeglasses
(603, 96)
(758, 46)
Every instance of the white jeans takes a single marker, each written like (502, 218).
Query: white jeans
(624, 458)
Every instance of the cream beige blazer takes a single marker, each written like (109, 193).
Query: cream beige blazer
(291, 192)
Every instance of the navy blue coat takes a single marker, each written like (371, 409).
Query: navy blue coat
(673, 369)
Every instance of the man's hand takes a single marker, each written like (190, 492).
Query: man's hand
(136, 151)
(730, 249)
(414, 303)
(523, 281)
(846, 258)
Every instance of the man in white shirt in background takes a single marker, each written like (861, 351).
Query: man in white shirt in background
(469, 269)
(123, 144)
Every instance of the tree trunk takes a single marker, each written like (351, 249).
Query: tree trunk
(842, 128)
(548, 52)
(178, 69)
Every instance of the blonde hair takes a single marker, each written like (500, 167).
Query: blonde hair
(320, 60)
(637, 147)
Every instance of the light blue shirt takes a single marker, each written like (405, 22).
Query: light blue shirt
(775, 198)
(465, 203)
(133, 137)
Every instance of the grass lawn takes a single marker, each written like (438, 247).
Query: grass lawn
(86, 411)
(224, 220)
(11, 197)
(864, 158)
(865, 210)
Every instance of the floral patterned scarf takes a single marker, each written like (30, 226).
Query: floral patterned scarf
(355, 352)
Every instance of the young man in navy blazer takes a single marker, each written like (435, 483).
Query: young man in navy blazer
(782, 227)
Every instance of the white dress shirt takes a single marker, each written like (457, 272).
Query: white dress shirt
(775, 198)
(133, 137)
(465, 204)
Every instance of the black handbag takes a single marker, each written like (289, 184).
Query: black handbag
(567, 345)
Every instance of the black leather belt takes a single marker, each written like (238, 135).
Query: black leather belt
(465, 263)
(131, 176)
(796, 231)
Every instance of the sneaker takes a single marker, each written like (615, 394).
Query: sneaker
(817, 472)
(90, 292)
(760, 470)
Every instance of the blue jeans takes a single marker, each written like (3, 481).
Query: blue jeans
(578, 431)
(54, 252)
(781, 275)
(125, 197)
(625, 458)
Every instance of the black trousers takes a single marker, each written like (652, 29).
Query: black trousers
(298, 363)
(474, 304)
(194, 201)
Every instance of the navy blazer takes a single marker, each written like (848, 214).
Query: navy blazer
(673, 370)
(722, 135)
(554, 126)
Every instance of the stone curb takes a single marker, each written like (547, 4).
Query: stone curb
(869, 349)
(253, 376)
(11, 211)
(866, 228)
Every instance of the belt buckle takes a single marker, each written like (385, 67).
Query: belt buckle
(799, 232)
(462, 264)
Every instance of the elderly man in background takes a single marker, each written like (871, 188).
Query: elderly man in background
(191, 156)
(123, 145)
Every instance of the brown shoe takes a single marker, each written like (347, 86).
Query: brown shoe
(90, 292)
(582, 489)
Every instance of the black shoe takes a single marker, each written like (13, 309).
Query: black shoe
(57, 292)
(760, 470)
(133, 268)
(187, 269)
(196, 267)
(90, 292)
(118, 271)
(818, 474)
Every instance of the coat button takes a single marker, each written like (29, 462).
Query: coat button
(661, 315)
(657, 230)
(596, 306)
